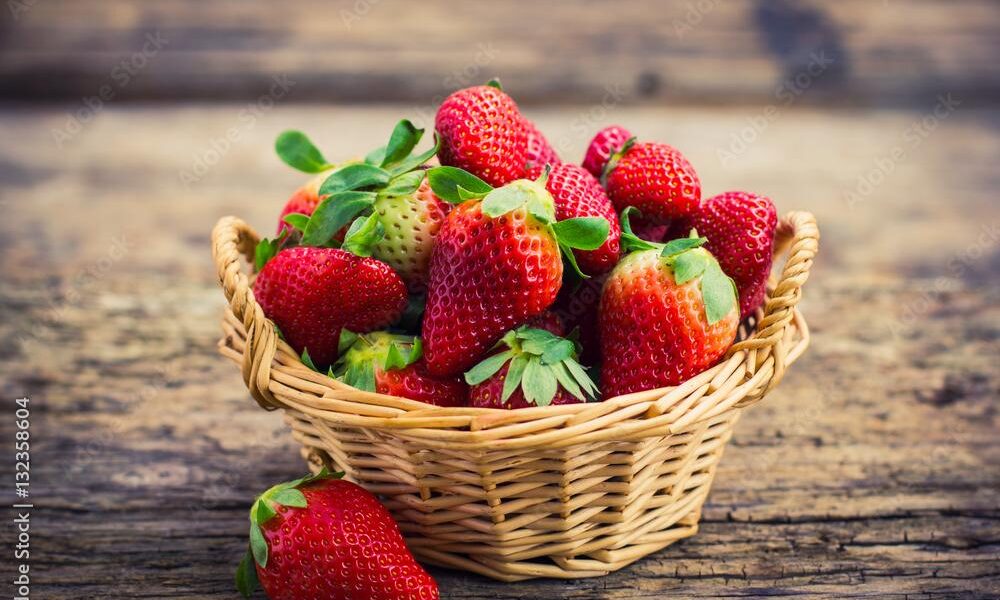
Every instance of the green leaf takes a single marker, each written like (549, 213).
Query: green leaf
(333, 213)
(514, 374)
(541, 211)
(559, 351)
(688, 265)
(629, 240)
(503, 200)
(718, 291)
(570, 258)
(415, 160)
(403, 185)
(353, 177)
(403, 140)
(539, 383)
(246, 576)
(363, 235)
(261, 511)
(445, 181)
(487, 368)
(258, 545)
(295, 149)
(614, 159)
(290, 497)
(297, 220)
(416, 350)
(366, 379)
(565, 379)
(266, 250)
(495, 82)
(679, 245)
(376, 156)
(347, 339)
(581, 377)
(583, 233)
(307, 360)
(394, 358)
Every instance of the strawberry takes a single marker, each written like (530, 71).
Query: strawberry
(411, 223)
(652, 232)
(740, 231)
(322, 538)
(549, 321)
(482, 131)
(667, 312)
(496, 264)
(539, 151)
(537, 368)
(576, 307)
(654, 178)
(304, 201)
(312, 293)
(392, 364)
(578, 194)
(606, 143)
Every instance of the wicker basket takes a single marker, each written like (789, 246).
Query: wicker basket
(560, 491)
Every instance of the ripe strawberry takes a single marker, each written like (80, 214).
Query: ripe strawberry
(321, 538)
(411, 223)
(482, 131)
(740, 231)
(312, 293)
(606, 143)
(536, 369)
(654, 178)
(496, 264)
(578, 194)
(667, 313)
(652, 232)
(539, 151)
(304, 201)
(393, 365)
(577, 307)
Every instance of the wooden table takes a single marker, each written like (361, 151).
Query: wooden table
(872, 471)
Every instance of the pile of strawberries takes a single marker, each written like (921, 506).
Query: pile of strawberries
(504, 277)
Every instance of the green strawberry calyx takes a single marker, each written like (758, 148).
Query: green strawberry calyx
(614, 159)
(540, 363)
(361, 355)
(456, 186)
(349, 191)
(265, 508)
(687, 260)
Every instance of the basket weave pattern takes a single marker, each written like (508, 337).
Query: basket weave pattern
(567, 491)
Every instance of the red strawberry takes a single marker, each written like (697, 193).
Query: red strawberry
(482, 131)
(321, 538)
(539, 151)
(651, 232)
(740, 231)
(304, 201)
(577, 307)
(496, 264)
(411, 223)
(578, 194)
(608, 141)
(656, 179)
(536, 369)
(667, 313)
(312, 293)
(393, 365)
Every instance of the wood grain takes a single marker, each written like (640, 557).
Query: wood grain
(873, 470)
(851, 51)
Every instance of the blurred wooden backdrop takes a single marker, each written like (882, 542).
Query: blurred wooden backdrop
(871, 52)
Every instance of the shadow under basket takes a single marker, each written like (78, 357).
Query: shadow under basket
(569, 491)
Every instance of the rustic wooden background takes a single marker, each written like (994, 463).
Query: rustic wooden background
(872, 471)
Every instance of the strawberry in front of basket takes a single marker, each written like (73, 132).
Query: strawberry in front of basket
(577, 193)
(534, 368)
(322, 538)
(393, 364)
(654, 178)
(496, 264)
(605, 144)
(482, 131)
(667, 313)
(389, 184)
(740, 230)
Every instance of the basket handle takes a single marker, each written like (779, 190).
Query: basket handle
(233, 240)
(796, 236)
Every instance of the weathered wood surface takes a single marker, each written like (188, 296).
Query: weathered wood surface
(642, 50)
(872, 471)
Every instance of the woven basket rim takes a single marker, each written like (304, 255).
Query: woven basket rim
(277, 378)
